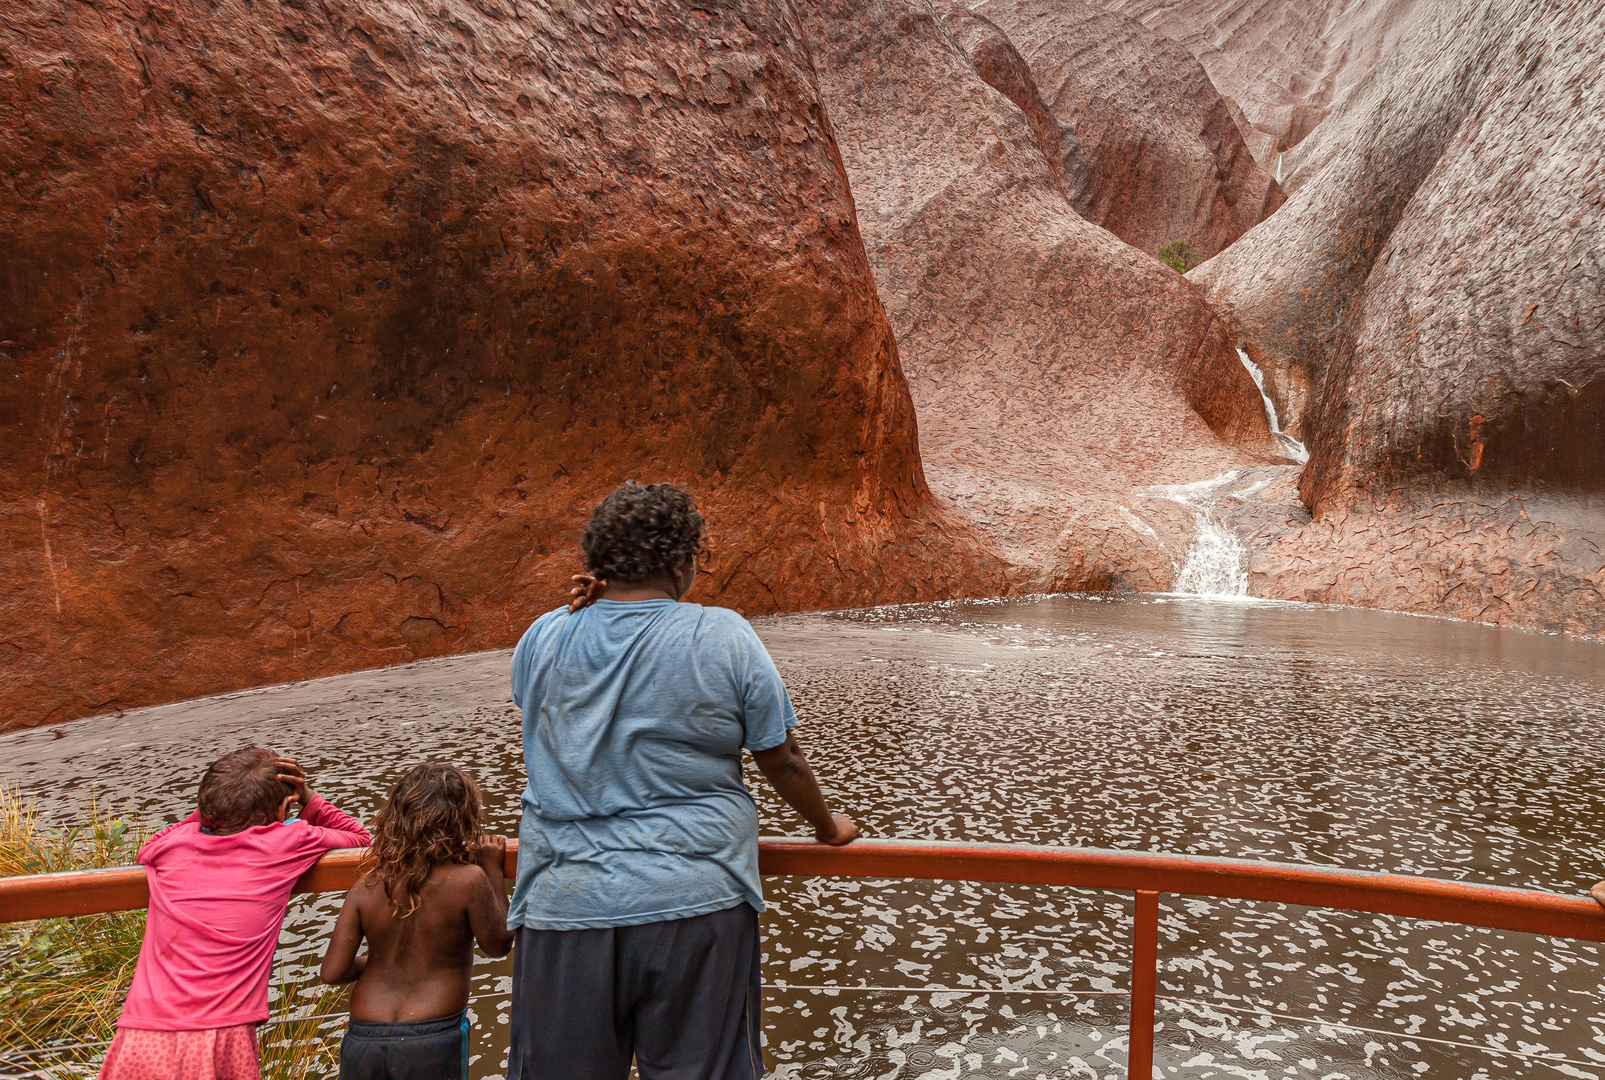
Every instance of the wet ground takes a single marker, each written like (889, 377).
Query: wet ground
(1283, 732)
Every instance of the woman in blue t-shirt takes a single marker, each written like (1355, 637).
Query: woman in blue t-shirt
(637, 899)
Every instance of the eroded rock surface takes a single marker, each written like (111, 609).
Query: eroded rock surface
(323, 326)
(1428, 303)
(998, 62)
(1281, 63)
(1165, 158)
(1507, 558)
(1056, 370)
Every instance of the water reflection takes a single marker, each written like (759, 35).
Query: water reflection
(1299, 734)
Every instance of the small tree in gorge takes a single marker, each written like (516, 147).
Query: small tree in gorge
(1179, 255)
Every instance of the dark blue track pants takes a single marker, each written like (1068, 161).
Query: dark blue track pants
(682, 997)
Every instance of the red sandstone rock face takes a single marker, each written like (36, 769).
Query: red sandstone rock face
(324, 326)
(1003, 68)
(1165, 158)
(1436, 285)
(1280, 63)
(1056, 371)
(1508, 558)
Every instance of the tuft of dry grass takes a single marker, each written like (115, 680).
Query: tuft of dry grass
(62, 981)
(301, 1040)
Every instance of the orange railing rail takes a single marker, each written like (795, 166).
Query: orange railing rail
(1147, 874)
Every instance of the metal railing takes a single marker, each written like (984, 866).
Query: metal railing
(1146, 874)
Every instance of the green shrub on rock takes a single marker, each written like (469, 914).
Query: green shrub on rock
(1179, 255)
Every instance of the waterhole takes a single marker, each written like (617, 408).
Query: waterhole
(1267, 731)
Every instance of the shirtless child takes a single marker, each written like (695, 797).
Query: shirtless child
(436, 886)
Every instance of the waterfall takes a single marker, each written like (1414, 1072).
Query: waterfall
(1291, 447)
(1216, 561)
(1278, 168)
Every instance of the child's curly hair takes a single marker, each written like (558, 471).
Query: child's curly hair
(639, 532)
(432, 819)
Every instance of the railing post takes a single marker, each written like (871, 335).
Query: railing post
(1144, 965)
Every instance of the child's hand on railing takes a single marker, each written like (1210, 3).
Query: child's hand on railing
(490, 852)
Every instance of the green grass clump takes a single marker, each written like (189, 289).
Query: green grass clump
(1179, 255)
(62, 981)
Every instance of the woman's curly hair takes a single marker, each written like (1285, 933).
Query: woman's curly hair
(637, 533)
(432, 819)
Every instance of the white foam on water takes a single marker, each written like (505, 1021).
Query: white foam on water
(1291, 447)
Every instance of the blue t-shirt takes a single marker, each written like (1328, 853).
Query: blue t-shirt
(635, 713)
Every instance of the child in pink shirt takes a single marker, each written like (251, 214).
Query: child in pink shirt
(220, 882)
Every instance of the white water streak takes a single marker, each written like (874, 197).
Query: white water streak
(1291, 447)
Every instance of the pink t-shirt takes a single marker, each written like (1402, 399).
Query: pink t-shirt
(216, 906)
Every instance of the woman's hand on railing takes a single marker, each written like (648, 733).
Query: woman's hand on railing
(787, 770)
(844, 831)
(1598, 893)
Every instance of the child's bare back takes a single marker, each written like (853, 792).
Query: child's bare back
(437, 887)
(417, 968)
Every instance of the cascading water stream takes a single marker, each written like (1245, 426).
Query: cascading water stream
(1291, 447)
(1216, 561)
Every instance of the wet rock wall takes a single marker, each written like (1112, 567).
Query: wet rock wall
(1281, 64)
(1056, 371)
(1165, 158)
(323, 326)
(1429, 300)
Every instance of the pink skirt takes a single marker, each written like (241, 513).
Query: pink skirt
(214, 1054)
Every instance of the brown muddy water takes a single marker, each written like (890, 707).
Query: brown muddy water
(1282, 732)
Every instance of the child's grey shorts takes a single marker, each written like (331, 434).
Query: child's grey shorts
(419, 1050)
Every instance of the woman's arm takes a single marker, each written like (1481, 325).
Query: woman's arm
(1598, 893)
(341, 964)
(788, 773)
